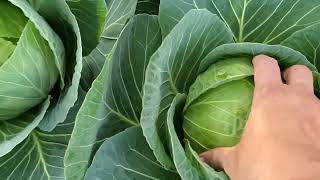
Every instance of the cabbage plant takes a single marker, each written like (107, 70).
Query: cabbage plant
(39, 78)
(43, 46)
(181, 82)
(196, 94)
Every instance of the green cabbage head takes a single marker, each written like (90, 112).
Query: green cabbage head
(214, 114)
(40, 68)
(29, 68)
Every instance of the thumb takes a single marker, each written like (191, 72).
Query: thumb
(219, 158)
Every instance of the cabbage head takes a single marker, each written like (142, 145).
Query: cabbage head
(30, 65)
(214, 114)
(40, 68)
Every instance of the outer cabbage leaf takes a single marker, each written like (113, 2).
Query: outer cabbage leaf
(40, 155)
(185, 162)
(263, 21)
(61, 19)
(285, 56)
(114, 101)
(91, 16)
(118, 13)
(306, 41)
(15, 131)
(48, 34)
(127, 156)
(208, 172)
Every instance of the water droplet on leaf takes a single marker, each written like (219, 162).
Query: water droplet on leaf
(222, 74)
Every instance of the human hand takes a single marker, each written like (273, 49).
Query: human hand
(281, 137)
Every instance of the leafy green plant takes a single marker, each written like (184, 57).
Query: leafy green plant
(40, 76)
(71, 34)
(135, 89)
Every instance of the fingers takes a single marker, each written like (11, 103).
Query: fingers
(299, 76)
(266, 71)
(217, 158)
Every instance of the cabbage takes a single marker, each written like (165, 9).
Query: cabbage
(29, 67)
(214, 114)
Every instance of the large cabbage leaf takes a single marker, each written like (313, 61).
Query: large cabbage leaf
(134, 161)
(266, 21)
(59, 16)
(114, 101)
(91, 16)
(40, 155)
(117, 14)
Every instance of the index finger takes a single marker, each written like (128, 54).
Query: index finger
(266, 71)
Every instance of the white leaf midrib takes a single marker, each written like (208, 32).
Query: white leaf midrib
(40, 152)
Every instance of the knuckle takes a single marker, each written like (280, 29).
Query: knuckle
(259, 57)
(300, 69)
(311, 117)
(302, 88)
(263, 59)
(273, 61)
(269, 91)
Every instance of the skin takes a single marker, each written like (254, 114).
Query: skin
(281, 137)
